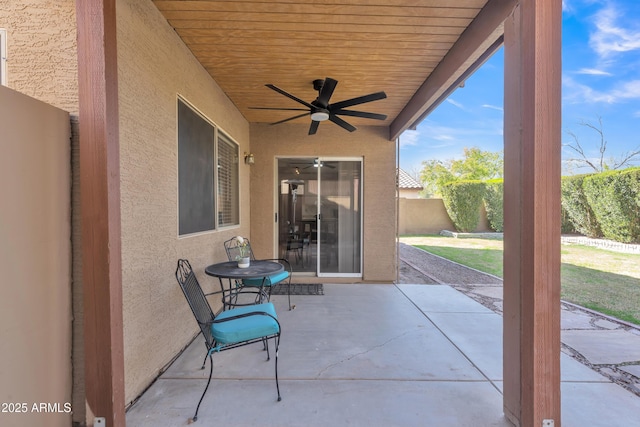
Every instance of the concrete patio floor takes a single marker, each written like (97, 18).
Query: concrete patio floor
(371, 355)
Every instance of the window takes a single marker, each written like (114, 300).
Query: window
(228, 187)
(203, 188)
(3, 57)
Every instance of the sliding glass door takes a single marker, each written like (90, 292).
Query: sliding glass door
(320, 215)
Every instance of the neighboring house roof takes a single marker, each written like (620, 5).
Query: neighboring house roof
(407, 182)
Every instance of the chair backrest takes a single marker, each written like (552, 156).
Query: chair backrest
(196, 299)
(233, 250)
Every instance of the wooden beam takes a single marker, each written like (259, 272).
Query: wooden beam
(100, 210)
(479, 37)
(532, 128)
(325, 36)
(319, 27)
(249, 18)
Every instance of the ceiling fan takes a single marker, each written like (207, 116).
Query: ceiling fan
(319, 164)
(321, 110)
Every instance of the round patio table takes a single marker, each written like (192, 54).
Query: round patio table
(235, 289)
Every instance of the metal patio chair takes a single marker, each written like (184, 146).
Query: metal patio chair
(231, 328)
(234, 252)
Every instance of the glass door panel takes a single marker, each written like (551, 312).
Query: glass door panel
(297, 213)
(339, 225)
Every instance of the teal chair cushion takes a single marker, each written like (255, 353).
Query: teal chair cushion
(245, 328)
(272, 280)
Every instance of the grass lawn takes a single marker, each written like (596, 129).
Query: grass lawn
(605, 281)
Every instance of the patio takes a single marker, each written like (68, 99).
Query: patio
(392, 355)
(123, 68)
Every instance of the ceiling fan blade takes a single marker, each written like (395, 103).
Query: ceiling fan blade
(362, 114)
(314, 127)
(359, 100)
(288, 95)
(279, 109)
(291, 118)
(343, 124)
(328, 87)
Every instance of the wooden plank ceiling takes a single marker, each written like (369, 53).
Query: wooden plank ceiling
(366, 45)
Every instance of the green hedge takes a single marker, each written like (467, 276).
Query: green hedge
(597, 205)
(567, 225)
(493, 192)
(576, 207)
(463, 199)
(615, 200)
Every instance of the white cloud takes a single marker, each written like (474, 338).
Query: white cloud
(571, 6)
(443, 137)
(409, 138)
(628, 90)
(593, 72)
(454, 103)
(493, 107)
(576, 93)
(472, 134)
(451, 144)
(610, 36)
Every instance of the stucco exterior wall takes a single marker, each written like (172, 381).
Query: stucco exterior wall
(379, 206)
(423, 216)
(35, 260)
(429, 216)
(41, 50)
(154, 67)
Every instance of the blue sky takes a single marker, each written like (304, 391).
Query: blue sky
(600, 80)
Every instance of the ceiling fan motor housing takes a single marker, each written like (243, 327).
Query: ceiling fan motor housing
(317, 84)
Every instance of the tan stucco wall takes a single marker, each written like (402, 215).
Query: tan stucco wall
(291, 140)
(35, 259)
(153, 68)
(429, 216)
(41, 50)
(423, 216)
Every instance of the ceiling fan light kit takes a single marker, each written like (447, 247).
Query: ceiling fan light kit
(320, 116)
(321, 110)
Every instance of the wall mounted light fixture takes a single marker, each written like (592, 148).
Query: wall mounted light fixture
(248, 158)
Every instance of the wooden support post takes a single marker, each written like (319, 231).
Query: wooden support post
(100, 210)
(532, 213)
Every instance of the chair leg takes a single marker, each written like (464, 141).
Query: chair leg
(265, 347)
(195, 416)
(204, 362)
(277, 339)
